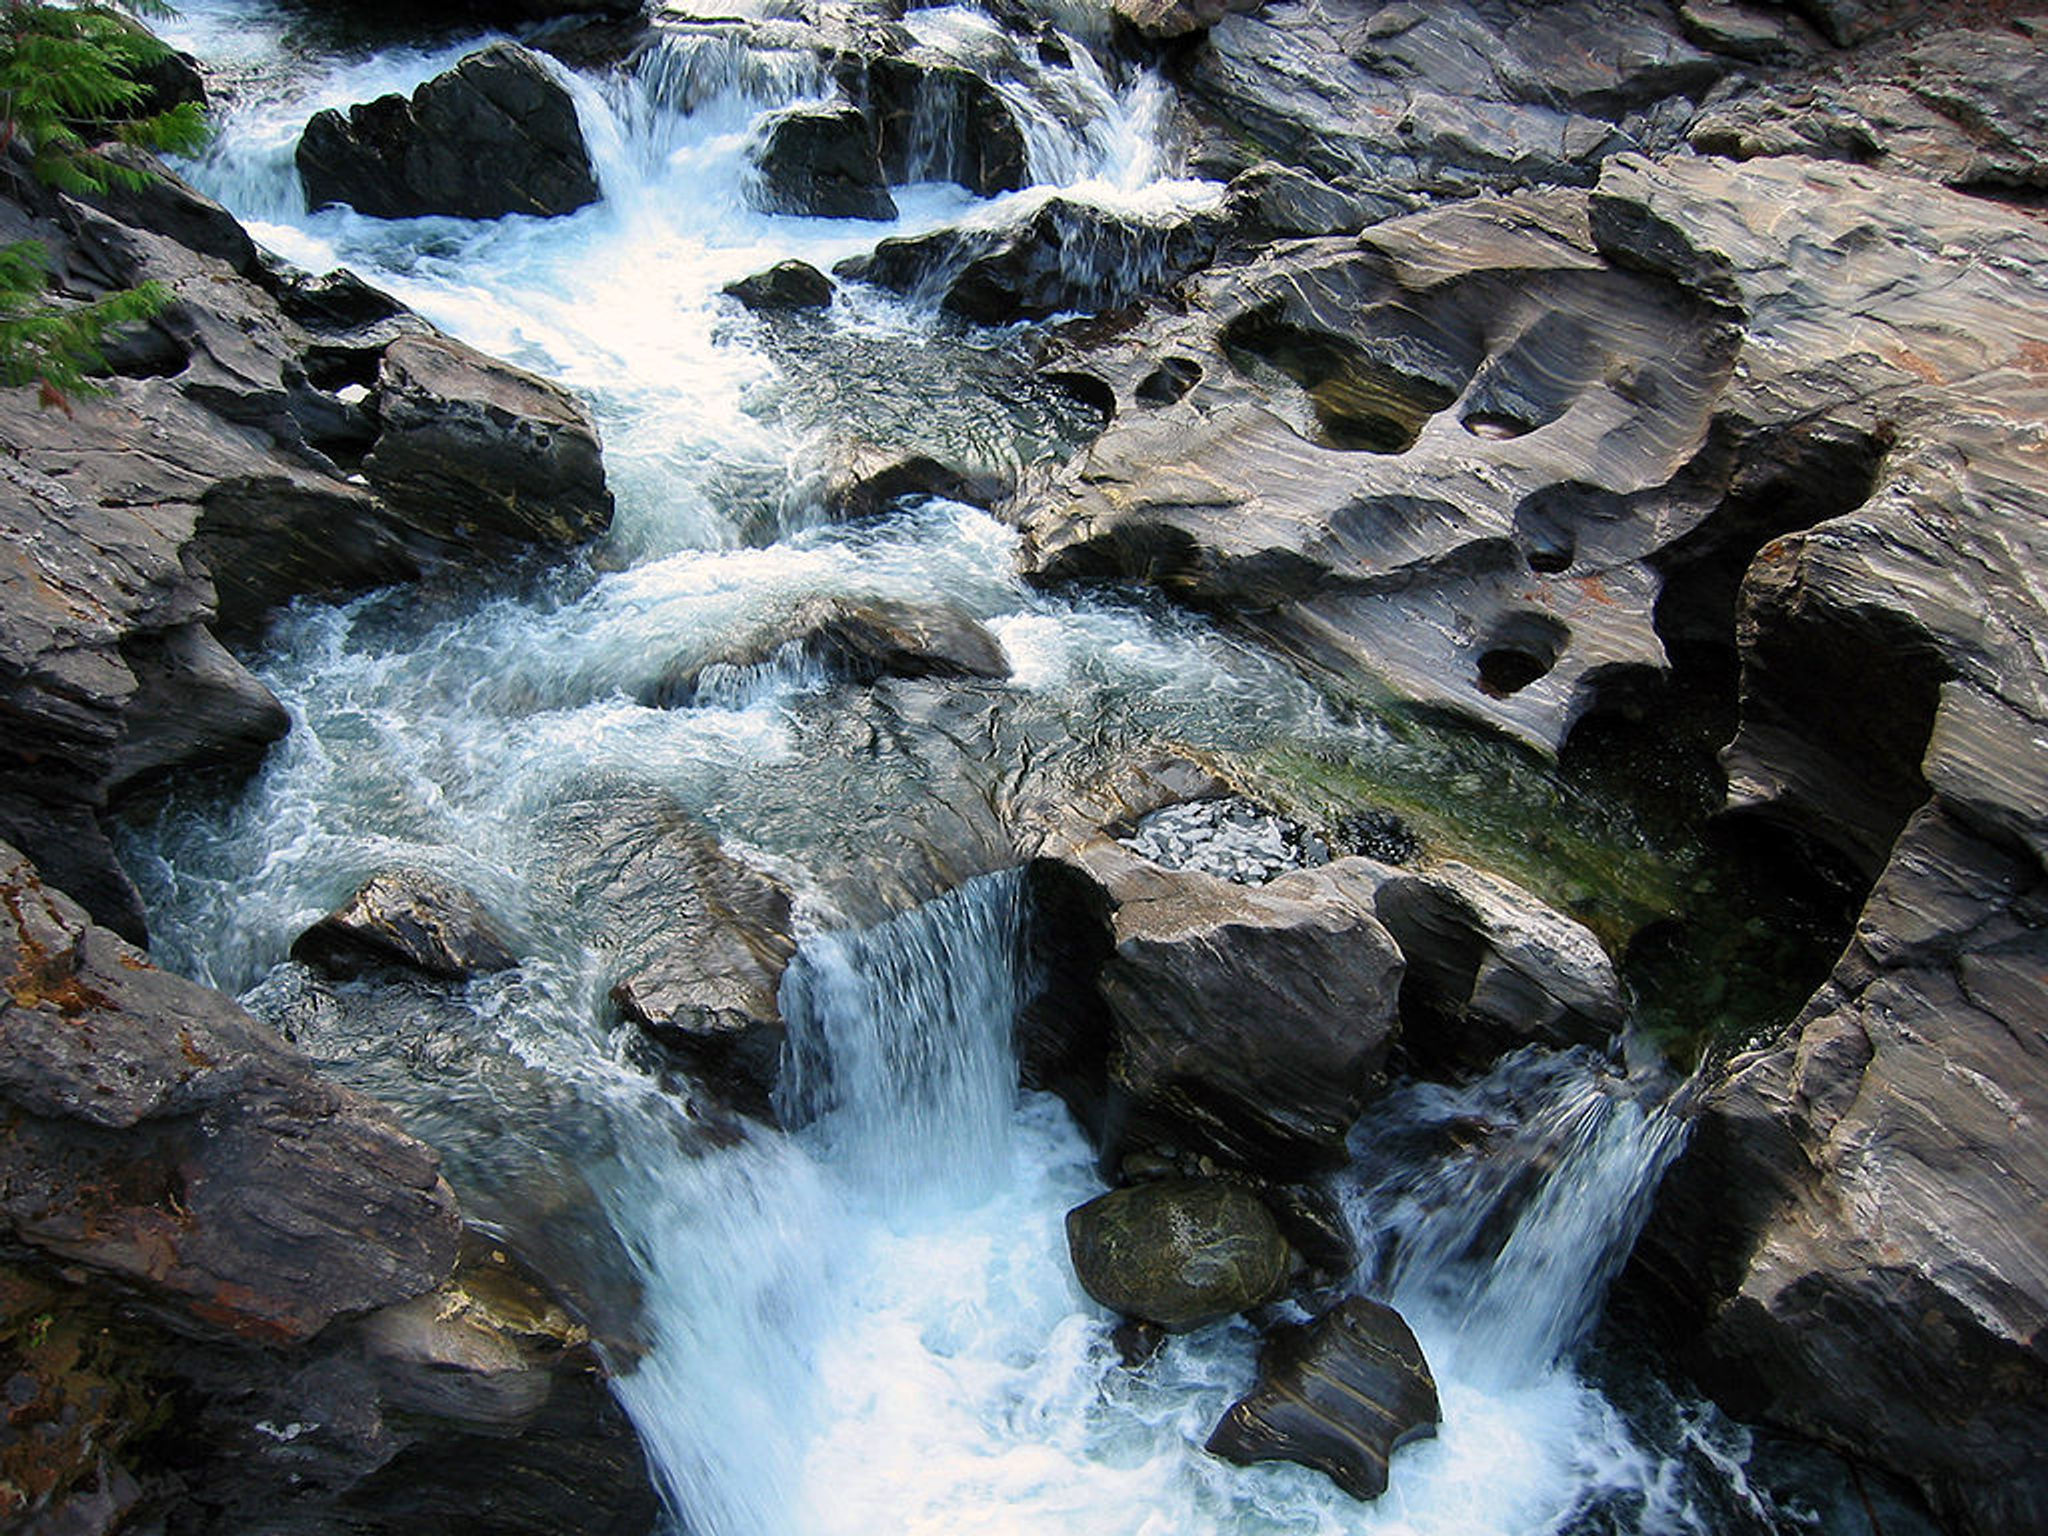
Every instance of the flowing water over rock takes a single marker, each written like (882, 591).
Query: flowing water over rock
(868, 1323)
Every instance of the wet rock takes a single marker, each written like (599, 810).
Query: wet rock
(1490, 969)
(1180, 1253)
(858, 641)
(1427, 457)
(937, 121)
(159, 1136)
(1340, 1395)
(821, 162)
(409, 919)
(1450, 97)
(1277, 202)
(1244, 1024)
(786, 285)
(1061, 256)
(710, 993)
(494, 135)
(865, 480)
(481, 457)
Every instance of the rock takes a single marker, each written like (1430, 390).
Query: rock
(1181, 1253)
(157, 1135)
(864, 480)
(857, 641)
(1164, 20)
(786, 285)
(1340, 1395)
(479, 457)
(710, 991)
(494, 135)
(1445, 458)
(1246, 1025)
(1744, 31)
(1276, 202)
(1490, 969)
(821, 162)
(410, 919)
(937, 121)
(1851, 1248)
(218, 475)
(1062, 256)
(1452, 97)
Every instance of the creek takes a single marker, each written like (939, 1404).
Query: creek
(868, 1324)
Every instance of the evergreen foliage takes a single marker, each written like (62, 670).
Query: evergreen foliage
(73, 77)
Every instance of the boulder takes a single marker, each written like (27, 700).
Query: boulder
(1246, 1025)
(1165, 20)
(937, 121)
(1340, 1395)
(786, 285)
(1271, 201)
(408, 919)
(158, 1136)
(866, 480)
(1061, 256)
(709, 991)
(821, 162)
(496, 134)
(1181, 1253)
(1442, 98)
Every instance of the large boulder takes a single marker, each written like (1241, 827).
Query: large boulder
(1341, 1395)
(497, 134)
(821, 162)
(1244, 1025)
(1181, 1253)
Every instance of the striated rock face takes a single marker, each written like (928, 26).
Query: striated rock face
(1180, 1253)
(158, 1135)
(494, 135)
(1442, 97)
(408, 919)
(270, 434)
(1341, 1395)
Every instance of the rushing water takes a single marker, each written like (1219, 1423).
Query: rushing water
(868, 1324)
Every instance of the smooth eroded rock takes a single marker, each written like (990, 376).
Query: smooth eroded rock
(1341, 1395)
(786, 285)
(821, 162)
(1178, 1252)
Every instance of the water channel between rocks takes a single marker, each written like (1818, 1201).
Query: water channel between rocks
(869, 1324)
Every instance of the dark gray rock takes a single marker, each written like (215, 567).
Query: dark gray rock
(1341, 1395)
(408, 919)
(937, 121)
(865, 480)
(821, 162)
(1276, 202)
(1061, 256)
(1181, 1253)
(710, 992)
(1247, 1025)
(159, 1136)
(494, 135)
(786, 285)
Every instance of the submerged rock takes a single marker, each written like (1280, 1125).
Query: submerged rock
(1340, 1395)
(1181, 1253)
(409, 919)
(494, 135)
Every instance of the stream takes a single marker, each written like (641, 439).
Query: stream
(869, 1324)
